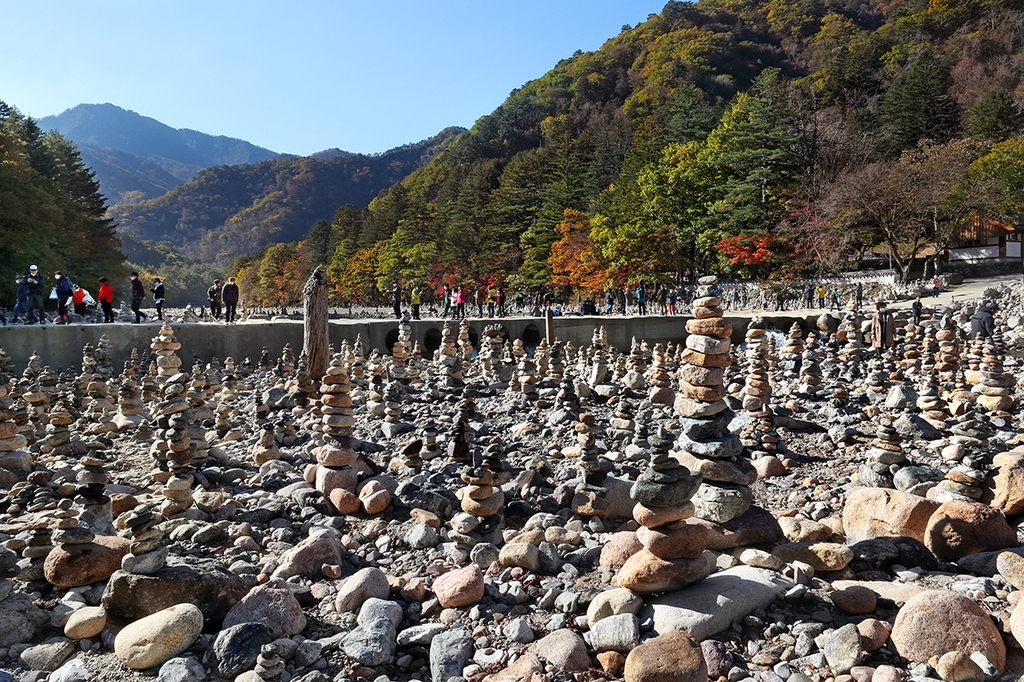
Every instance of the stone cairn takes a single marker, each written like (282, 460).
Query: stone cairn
(884, 455)
(164, 346)
(760, 435)
(335, 475)
(11, 441)
(672, 554)
(147, 554)
(810, 368)
(992, 384)
(90, 495)
(791, 353)
(659, 379)
(481, 499)
(590, 498)
(172, 449)
(706, 446)
(265, 448)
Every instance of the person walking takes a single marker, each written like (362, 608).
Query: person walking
(138, 293)
(35, 281)
(915, 311)
(415, 299)
(21, 301)
(499, 299)
(672, 297)
(158, 297)
(229, 294)
(641, 300)
(106, 299)
(936, 287)
(447, 301)
(859, 292)
(821, 296)
(809, 296)
(396, 299)
(62, 287)
(213, 295)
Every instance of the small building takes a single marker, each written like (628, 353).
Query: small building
(986, 240)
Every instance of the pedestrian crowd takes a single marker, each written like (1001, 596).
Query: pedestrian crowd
(30, 299)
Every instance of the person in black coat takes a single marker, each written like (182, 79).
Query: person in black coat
(138, 293)
(983, 322)
(230, 296)
(35, 282)
(158, 297)
(213, 295)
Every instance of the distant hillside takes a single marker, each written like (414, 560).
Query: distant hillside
(123, 147)
(228, 211)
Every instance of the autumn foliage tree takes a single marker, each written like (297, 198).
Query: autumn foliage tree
(575, 260)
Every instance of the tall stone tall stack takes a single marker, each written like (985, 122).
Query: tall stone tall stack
(791, 353)
(400, 351)
(672, 554)
(992, 384)
(948, 359)
(760, 434)
(173, 447)
(335, 475)
(705, 445)
(659, 379)
(164, 345)
(590, 498)
(481, 500)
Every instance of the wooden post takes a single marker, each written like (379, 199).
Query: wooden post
(314, 323)
(549, 325)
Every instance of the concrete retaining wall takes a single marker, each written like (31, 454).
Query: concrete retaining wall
(61, 346)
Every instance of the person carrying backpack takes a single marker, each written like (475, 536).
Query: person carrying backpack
(63, 287)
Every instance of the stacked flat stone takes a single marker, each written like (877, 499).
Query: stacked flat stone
(12, 443)
(458, 442)
(884, 455)
(57, 432)
(930, 400)
(164, 345)
(659, 378)
(877, 382)
(759, 436)
(129, 406)
(706, 446)
(392, 399)
(672, 554)
(172, 449)
(911, 353)
(992, 384)
(430, 450)
(961, 483)
(416, 367)
(286, 365)
(265, 362)
(449, 359)
(540, 357)
(375, 386)
(850, 330)
(482, 499)
(930, 350)
(38, 545)
(961, 399)
(90, 495)
(147, 553)
(6, 366)
(269, 664)
(34, 367)
(810, 368)
(36, 407)
(302, 388)
(591, 495)
(790, 354)
(400, 351)
(68, 530)
(105, 357)
(336, 457)
(556, 362)
(569, 352)
(492, 354)
(528, 374)
(465, 344)
(637, 359)
(265, 448)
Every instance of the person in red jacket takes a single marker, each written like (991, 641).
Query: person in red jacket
(78, 298)
(106, 299)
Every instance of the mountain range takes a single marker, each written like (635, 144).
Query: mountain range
(136, 157)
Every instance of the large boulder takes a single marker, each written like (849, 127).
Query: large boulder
(157, 638)
(672, 657)
(129, 597)
(76, 565)
(936, 622)
(273, 604)
(307, 557)
(958, 528)
(20, 620)
(881, 512)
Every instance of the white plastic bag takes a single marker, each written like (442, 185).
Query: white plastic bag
(53, 294)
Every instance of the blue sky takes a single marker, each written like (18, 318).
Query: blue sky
(296, 77)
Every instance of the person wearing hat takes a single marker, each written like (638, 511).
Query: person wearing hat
(106, 299)
(35, 281)
(883, 327)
